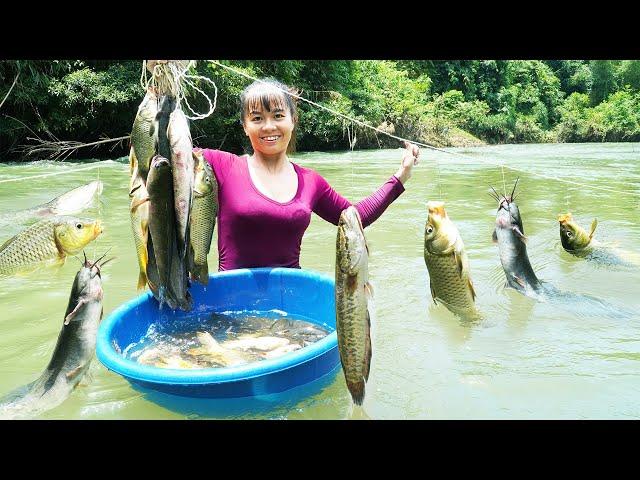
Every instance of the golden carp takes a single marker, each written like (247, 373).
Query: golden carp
(144, 134)
(48, 241)
(182, 168)
(203, 217)
(353, 293)
(572, 236)
(447, 263)
(578, 242)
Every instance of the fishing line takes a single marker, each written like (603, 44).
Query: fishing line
(478, 160)
(29, 177)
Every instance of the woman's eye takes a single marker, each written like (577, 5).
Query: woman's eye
(78, 226)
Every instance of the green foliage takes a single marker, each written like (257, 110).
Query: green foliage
(614, 120)
(436, 102)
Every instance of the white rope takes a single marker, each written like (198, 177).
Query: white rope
(49, 174)
(171, 78)
(363, 124)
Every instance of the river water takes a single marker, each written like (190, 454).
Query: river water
(525, 360)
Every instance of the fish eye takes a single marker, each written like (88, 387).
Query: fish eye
(78, 226)
(429, 229)
(569, 234)
(206, 179)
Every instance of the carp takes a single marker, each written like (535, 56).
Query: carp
(47, 242)
(446, 260)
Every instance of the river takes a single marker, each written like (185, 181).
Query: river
(525, 360)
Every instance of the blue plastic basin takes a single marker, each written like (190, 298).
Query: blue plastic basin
(297, 292)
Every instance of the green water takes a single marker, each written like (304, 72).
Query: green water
(526, 360)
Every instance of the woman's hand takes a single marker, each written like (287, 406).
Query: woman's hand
(409, 159)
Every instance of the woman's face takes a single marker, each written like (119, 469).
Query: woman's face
(269, 131)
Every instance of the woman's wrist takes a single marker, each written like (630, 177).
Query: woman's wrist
(403, 174)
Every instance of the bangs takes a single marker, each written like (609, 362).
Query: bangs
(267, 99)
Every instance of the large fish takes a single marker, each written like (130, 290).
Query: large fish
(182, 167)
(161, 224)
(73, 351)
(447, 263)
(69, 203)
(47, 242)
(509, 235)
(144, 134)
(139, 215)
(353, 292)
(578, 242)
(203, 217)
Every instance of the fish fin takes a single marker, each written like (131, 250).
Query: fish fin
(473, 290)
(494, 236)
(74, 373)
(200, 273)
(357, 391)
(519, 281)
(133, 161)
(433, 293)
(521, 235)
(368, 289)
(459, 265)
(142, 281)
(594, 224)
(366, 366)
(135, 205)
(73, 313)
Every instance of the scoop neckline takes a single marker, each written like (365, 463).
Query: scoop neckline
(255, 188)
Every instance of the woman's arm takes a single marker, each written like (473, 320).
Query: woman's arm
(330, 203)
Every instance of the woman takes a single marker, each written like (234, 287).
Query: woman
(266, 200)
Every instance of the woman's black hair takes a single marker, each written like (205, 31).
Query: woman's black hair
(270, 93)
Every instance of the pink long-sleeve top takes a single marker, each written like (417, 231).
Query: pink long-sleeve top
(257, 231)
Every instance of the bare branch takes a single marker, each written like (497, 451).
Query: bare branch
(12, 85)
(62, 149)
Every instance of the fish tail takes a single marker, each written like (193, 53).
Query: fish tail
(142, 280)
(200, 273)
(357, 391)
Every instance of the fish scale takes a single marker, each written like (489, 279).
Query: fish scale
(33, 245)
(449, 286)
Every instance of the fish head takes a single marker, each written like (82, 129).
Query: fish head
(148, 108)
(351, 243)
(204, 180)
(160, 168)
(73, 234)
(572, 236)
(439, 231)
(508, 214)
(88, 281)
